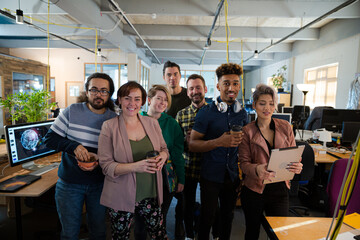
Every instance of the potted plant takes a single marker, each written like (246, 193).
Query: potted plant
(278, 78)
(32, 107)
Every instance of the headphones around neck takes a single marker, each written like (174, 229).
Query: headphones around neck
(223, 107)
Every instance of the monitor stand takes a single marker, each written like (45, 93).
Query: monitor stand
(31, 166)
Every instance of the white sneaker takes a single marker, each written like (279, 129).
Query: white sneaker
(189, 238)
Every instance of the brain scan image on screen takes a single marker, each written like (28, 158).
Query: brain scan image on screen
(29, 139)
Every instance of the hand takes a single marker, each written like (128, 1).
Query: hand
(295, 167)
(230, 140)
(147, 165)
(187, 137)
(89, 168)
(180, 187)
(161, 159)
(81, 153)
(263, 173)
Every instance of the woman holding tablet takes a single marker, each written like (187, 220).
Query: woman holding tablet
(260, 137)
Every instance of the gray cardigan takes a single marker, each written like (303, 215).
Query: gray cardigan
(119, 192)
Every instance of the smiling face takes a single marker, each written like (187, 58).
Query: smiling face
(264, 106)
(196, 90)
(172, 77)
(131, 104)
(97, 100)
(229, 87)
(159, 102)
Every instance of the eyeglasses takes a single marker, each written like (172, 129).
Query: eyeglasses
(95, 92)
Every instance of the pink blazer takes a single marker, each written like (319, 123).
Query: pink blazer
(119, 192)
(254, 151)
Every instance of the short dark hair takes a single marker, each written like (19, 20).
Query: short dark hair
(170, 64)
(228, 68)
(125, 89)
(262, 89)
(109, 103)
(195, 76)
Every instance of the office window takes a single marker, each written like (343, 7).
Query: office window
(24, 82)
(145, 77)
(118, 73)
(210, 81)
(324, 79)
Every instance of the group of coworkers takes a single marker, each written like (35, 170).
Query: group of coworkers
(191, 135)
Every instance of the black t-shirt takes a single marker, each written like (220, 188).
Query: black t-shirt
(178, 102)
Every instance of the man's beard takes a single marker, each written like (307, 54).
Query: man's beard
(98, 106)
(199, 100)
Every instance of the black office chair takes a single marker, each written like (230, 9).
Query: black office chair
(314, 120)
(299, 115)
(297, 188)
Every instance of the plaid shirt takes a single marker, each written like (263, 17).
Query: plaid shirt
(186, 119)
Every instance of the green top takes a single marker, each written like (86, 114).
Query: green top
(145, 182)
(174, 139)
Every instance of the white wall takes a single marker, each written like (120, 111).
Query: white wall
(68, 64)
(343, 52)
(156, 74)
(339, 42)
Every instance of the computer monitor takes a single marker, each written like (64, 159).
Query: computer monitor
(283, 116)
(350, 131)
(25, 143)
(287, 109)
(332, 119)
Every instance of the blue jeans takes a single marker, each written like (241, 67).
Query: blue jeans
(70, 199)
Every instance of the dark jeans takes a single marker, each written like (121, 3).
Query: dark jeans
(189, 218)
(212, 194)
(70, 199)
(274, 201)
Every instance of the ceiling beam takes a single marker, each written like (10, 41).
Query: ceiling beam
(158, 31)
(294, 8)
(215, 46)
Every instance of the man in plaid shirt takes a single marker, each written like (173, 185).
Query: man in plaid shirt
(196, 90)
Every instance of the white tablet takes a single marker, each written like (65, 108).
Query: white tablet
(279, 161)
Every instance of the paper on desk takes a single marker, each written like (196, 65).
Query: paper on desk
(353, 220)
(342, 236)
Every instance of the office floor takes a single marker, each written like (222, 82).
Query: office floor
(42, 224)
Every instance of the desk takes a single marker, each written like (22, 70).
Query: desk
(327, 158)
(35, 189)
(299, 228)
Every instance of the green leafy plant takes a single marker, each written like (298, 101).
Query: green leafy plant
(33, 107)
(278, 78)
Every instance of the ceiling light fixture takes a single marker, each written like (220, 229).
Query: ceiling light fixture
(19, 15)
(98, 53)
(256, 53)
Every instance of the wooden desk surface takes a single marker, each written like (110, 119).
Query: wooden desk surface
(326, 158)
(39, 187)
(299, 228)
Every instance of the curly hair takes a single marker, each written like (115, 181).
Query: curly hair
(155, 88)
(228, 68)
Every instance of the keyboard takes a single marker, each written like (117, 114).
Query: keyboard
(45, 169)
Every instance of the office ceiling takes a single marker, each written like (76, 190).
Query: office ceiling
(174, 30)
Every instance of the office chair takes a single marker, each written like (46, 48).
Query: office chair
(314, 120)
(308, 161)
(299, 115)
(334, 184)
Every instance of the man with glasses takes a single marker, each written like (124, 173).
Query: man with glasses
(75, 132)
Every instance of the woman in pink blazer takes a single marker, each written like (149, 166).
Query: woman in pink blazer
(260, 136)
(132, 182)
